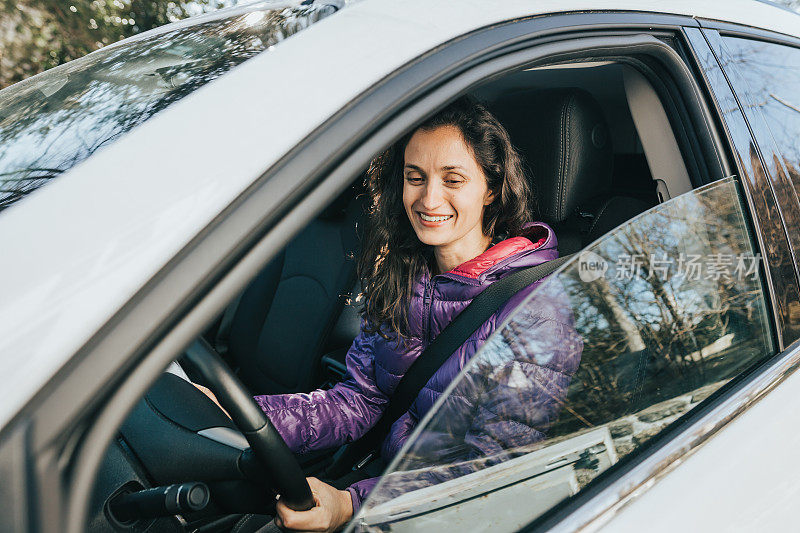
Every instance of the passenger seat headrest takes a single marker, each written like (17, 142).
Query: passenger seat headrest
(564, 139)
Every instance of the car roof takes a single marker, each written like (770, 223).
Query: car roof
(78, 249)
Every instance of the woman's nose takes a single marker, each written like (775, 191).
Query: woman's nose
(432, 196)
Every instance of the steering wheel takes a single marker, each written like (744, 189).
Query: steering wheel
(280, 464)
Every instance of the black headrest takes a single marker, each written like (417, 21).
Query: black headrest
(564, 139)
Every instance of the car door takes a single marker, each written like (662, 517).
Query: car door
(666, 315)
(539, 481)
(748, 467)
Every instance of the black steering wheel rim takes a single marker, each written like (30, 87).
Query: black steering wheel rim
(268, 446)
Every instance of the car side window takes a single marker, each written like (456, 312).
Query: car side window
(768, 77)
(625, 339)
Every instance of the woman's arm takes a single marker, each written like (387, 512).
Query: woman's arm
(327, 418)
(333, 509)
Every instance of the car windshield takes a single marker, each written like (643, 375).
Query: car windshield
(55, 120)
(624, 340)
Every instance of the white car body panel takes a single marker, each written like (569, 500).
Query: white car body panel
(744, 479)
(76, 251)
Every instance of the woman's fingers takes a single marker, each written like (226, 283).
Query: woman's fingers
(312, 520)
(332, 510)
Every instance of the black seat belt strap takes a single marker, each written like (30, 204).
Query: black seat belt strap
(222, 338)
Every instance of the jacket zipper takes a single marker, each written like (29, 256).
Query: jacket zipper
(429, 285)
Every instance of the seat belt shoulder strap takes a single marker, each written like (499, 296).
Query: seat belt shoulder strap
(459, 330)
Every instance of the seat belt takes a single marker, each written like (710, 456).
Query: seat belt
(223, 336)
(456, 333)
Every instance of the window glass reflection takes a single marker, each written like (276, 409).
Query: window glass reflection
(772, 75)
(657, 316)
(53, 121)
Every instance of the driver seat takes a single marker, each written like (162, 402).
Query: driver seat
(281, 324)
(564, 140)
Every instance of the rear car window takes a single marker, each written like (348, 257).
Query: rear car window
(767, 77)
(55, 120)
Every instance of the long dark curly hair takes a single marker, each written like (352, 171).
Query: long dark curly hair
(392, 257)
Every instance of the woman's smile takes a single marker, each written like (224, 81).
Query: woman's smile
(433, 221)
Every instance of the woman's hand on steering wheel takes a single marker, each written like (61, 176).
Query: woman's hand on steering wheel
(333, 508)
(281, 469)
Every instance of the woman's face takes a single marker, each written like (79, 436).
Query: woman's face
(445, 191)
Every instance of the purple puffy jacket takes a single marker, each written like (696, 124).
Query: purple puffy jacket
(330, 418)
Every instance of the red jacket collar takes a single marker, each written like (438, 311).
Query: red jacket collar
(473, 268)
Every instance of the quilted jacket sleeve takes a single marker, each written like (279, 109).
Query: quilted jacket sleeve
(360, 490)
(328, 418)
(402, 428)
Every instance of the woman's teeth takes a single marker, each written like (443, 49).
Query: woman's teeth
(426, 218)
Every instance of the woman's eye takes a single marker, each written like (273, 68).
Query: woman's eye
(413, 178)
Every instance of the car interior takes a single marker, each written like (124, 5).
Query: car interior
(599, 149)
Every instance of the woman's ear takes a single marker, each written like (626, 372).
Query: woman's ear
(489, 198)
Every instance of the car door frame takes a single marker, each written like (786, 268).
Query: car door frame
(62, 453)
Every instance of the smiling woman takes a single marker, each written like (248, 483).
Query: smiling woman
(458, 163)
(440, 197)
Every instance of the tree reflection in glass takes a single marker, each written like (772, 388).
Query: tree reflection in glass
(52, 121)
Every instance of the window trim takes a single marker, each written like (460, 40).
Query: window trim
(203, 290)
(748, 32)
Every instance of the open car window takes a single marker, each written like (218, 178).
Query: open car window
(624, 340)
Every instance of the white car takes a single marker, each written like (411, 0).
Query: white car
(209, 202)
